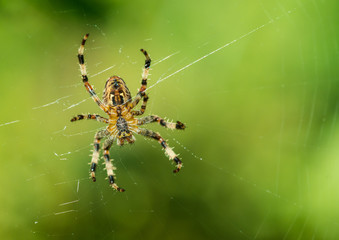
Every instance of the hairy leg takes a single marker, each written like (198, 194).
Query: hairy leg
(169, 152)
(90, 116)
(95, 156)
(109, 166)
(88, 86)
(142, 89)
(161, 121)
(143, 106)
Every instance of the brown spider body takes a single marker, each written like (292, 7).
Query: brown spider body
(116, 92)
(118, 105)
(121, 124)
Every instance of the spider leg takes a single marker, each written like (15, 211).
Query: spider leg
(84, 75)
(90, 116)
(162, 122)
(109, 166)
(146, 71)
(169, 152)
(143, 106)
(95, 157)
(142, 89)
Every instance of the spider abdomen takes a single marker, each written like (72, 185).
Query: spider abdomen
(116, 92)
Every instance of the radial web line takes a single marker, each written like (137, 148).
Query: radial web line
(214, 51)
(4, 124)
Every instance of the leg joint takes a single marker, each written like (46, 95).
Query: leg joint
(81, 58)
(111, 179)
(163, 144)
(106, 157)
(93, 167)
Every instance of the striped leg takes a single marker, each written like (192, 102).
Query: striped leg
(109, 166)
(84, 75)
(162, 122)
(143, 106)
(142, 89)
(146, 71)
(169, 152)
(95, 157)
(90, 116)
(136, 100)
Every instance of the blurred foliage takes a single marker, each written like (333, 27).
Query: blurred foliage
(260, 151)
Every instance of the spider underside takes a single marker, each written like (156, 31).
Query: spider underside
(118, 104)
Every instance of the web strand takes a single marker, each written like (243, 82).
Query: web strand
(218, 49)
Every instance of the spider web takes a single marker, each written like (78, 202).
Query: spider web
(259, 151)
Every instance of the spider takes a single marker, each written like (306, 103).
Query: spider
(118, 104)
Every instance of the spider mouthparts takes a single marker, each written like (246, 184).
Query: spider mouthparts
(176, 170)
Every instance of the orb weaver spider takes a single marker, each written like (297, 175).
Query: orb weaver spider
(118, 104)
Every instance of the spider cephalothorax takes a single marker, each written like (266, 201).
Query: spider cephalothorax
(118, 105)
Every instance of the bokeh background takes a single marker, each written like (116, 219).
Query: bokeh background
(261, 148)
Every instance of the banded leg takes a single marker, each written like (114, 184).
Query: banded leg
(145, 73)
(90, 116)
(143, 106)
(95, 157)
(84, 75)
(109, 166)
(161, 121)
(169, 152)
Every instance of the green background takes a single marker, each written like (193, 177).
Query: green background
(261, 148)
